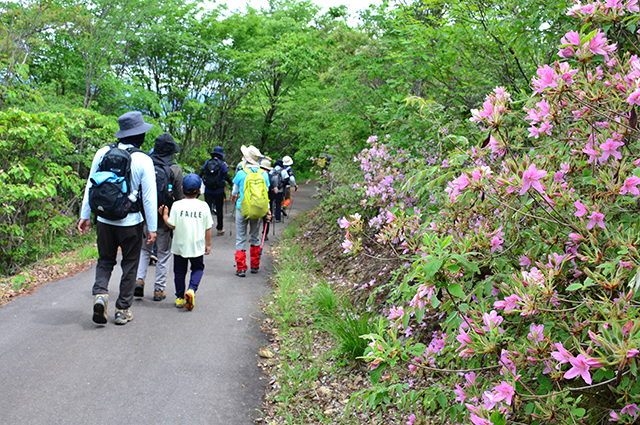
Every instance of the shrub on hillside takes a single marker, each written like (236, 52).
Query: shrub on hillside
(528, 255)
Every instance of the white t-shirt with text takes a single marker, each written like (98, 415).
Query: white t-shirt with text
(191, 218)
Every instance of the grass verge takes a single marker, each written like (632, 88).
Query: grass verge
(313, 359)
(50, 269)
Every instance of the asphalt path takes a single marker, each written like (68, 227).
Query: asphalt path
(167, 366)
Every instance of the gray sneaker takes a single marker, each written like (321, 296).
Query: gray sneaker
(123, 316)
(100, 302)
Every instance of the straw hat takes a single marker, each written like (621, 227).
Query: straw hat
(251, 154)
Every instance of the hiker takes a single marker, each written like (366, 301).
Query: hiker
(138, 183)
(278, 178)
(169, 186)
(265, 165)
(191, 219)
(288, 162)
(249, 209)
(215, 173)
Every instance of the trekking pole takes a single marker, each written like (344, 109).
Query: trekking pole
(293, 197)
(264, 234)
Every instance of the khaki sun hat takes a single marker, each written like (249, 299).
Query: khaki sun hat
(251, 155)
(287, 160)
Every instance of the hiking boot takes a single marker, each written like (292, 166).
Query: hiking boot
(179, 302)
(123, 317)
(241, 273)
(189, 299)
(159, 295)
(220, 232)
(100, 302)
(284, 213)
(138, 290)
(254, 270)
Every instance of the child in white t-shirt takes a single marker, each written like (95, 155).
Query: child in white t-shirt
(191, 219)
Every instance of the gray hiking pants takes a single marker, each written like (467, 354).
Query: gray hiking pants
(255, 225)
(163, 239)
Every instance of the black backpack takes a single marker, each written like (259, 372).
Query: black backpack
(107, 199)
(164, 178)
(213, 174)
(275, 180)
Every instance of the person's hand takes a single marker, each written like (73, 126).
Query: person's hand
(151, 237)
(296, 188)
(161, 209)
(268, 215)
(234, 198)
(83, 226)
(275, 190)
(207, 250)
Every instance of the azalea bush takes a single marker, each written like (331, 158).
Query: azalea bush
(521, 248)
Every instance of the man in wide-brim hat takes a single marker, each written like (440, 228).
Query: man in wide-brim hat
(125, 233)
(252, 157)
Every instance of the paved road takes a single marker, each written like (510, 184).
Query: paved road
(167, 366)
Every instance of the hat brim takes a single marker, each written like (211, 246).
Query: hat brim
(134, 131)
(288, 162)
(248, 156)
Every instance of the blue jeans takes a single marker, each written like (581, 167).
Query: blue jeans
(180, 273)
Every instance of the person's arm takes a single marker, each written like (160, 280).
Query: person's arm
(207, 239)
(149, 194)
(164, 211)
(85, 209)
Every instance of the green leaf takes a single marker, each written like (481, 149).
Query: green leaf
(578, 412)
(574, 286)
(498, 418)
(376, 374)
(431, 268)
(456, 290)
(435, 302)
(442, 400)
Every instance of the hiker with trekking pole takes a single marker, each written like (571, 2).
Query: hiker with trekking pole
(291, 182)
(251, 196)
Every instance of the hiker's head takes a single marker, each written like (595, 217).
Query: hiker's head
(279, 163)
(218, 152)
(132, 128)
(191, 185)
(287, 160)
(165, 145)
(265, 164)
(251, 155)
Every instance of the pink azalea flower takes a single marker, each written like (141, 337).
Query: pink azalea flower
(562, 355)
(632, 353)
(524, 261)
(634, 98)
(572, 37)
(536, 333)
(395, 312)
(547, 78)
(461, 396)
(596, 218)
(614, 417)
(491, 320)
(576, 237)
(530, 178)
(593, 154)
(580, 367)
(343, 223)
(597, 45)
(534, 132)
(412, 419)
(630, 186)
(509, 303)
(582, 210)
(631, 410)
(347, 245)
(505, 392)
(610, 148)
